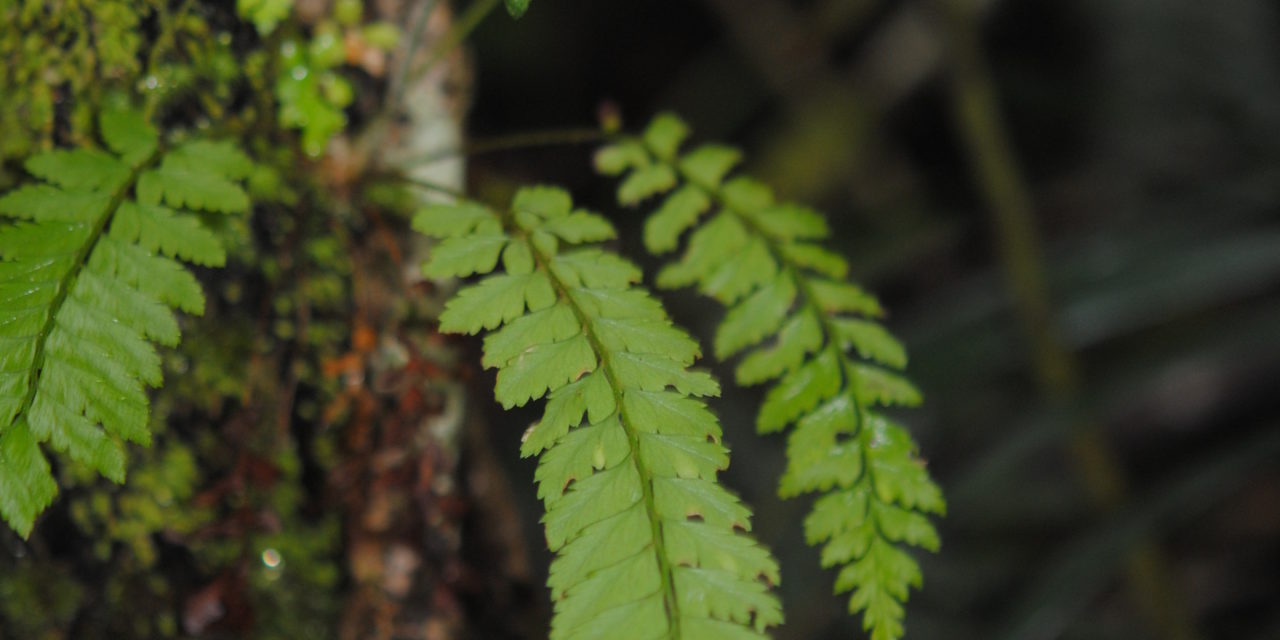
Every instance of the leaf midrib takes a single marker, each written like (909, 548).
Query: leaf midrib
(665, 568)
(67, 281)
(810, 301)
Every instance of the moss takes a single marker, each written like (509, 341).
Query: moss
(38, 599)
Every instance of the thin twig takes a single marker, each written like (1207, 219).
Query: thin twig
(512, 142)
(412, 39)
(424, 184)
(475, 13)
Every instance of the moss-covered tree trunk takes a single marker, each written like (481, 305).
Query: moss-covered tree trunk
(319, 467)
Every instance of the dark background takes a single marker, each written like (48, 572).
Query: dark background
(1119, 158)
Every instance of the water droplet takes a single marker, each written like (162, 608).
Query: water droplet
(299, 72)
(151, 82)
(272, 559)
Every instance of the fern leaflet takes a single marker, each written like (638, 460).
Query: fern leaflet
(88, 274)
(517, 7)
(792, 309)
(646, 540)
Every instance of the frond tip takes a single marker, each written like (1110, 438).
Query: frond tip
(517, 7)
(815, 335)
(88, 274)
(648, 544)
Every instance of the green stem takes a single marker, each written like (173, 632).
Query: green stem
(428, 185)
(975, 108)
(512, 142)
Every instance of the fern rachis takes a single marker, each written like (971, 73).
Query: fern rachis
(87, 275)
(790, 305)
(647, 543)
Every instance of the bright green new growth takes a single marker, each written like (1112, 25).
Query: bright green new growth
(517, 7)
(87, 277)
(800, 322)
(648, 544)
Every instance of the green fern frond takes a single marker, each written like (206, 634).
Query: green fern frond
(802, 325)
(88, 274)
(648, 544)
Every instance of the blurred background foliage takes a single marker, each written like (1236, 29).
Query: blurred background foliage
(1071, 209)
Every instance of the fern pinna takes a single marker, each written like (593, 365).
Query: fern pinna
(87, 277)
(648, 544)
(789, 302)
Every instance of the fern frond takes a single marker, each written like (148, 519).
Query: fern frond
(88, 274)
(648, 544)
(803, 326)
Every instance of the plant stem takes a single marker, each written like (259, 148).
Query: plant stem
(1009, 203)
(412, 41)
(471, 18)
(510, 142)
(430, 186)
